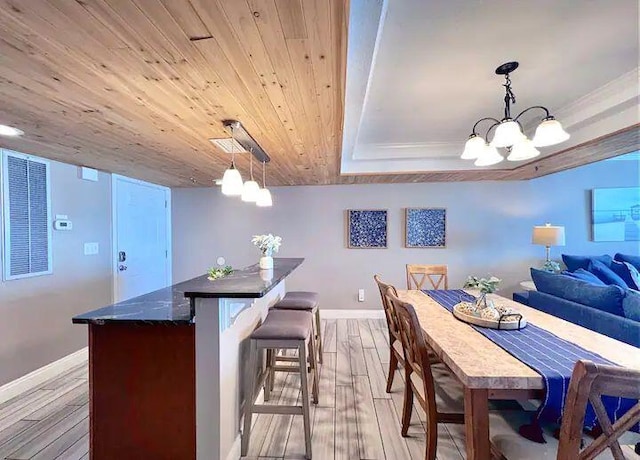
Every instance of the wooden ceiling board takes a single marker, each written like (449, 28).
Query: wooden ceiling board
(138, 87)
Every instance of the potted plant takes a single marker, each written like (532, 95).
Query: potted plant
(484, 285)
(268, 244)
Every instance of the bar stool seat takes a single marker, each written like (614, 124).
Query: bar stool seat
(285, 325)
(304, 301)
(280, 330)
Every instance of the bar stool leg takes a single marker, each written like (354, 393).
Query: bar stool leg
(249, 396)
(314, 368)
(319, 334)
(305, 397)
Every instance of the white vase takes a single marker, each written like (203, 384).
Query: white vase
(266, 263)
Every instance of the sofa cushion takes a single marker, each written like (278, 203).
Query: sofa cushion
(627, 272)
(575, 262)
(607, 275)
(605, 298)
(631, 305)
(633, 260)
(582, 274)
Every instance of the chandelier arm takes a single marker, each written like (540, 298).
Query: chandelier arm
(473, 130)
(486, 136)
(546, 111)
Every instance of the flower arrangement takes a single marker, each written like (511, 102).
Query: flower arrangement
(484, 285)
(215, 273)
(268, 244)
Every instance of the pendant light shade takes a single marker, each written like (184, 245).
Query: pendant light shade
(250, 191)
(489, 157)
(473, 148)
(264, 198)
(523, 150)
(549, 132)
(232, 182)
(508, 133)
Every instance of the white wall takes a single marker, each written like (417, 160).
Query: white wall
(489, 229)
(35, 313)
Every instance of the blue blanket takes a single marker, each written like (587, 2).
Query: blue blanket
(549, 355)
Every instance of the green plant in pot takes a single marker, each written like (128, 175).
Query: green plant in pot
(484, 285)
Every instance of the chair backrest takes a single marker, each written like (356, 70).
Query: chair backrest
(417, 275)
(392, 322)
(589, 382)
(416, 353)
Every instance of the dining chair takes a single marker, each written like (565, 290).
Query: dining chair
(418, 364)
(589, 382)
(417, 276)
(396, 355)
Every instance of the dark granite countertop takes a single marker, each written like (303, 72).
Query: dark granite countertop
(171, 305)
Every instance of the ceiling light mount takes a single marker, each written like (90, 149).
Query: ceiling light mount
(246, 140)
(509, 132)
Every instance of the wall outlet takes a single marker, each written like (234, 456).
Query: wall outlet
(360, 295)
(91, 249)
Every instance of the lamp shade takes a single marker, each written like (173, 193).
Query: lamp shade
(264, 198)
(489, 156)
(549, 132)
(250, 191)
(548, 235)
(473, 147)
(507, 133)
(232, 182)
(523, 150)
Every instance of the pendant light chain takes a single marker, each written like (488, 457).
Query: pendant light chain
(251, 164)
(264, 174)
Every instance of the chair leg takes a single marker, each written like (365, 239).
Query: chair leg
(407, 408)
(302, 360)
(249, 396)
(319, 335)
(393, 366)
(314, 369)
(272, 373)
(267, 383)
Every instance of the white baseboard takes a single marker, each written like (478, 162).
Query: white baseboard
(234, 453)
(352, 314)
(39, 376)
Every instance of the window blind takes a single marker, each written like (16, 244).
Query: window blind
(26, 216)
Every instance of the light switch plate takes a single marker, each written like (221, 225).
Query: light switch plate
(360, 295)
(91, 249)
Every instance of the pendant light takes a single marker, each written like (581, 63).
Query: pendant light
(251, 188)
(508, 131)
(232, 180)
(264, 195)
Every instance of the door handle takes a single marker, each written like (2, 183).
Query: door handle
(122, 256)
(122, 268)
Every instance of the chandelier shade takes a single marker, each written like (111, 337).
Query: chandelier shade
(549, 132)
(473, 148)
(523, 150)
(508, 131)
(232, 182)
(264, 198)
(489, 157)
(250, 191)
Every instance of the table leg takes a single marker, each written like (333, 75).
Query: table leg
(476, 423)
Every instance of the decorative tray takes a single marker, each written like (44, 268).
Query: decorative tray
(491, 317)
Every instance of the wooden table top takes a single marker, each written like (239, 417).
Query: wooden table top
(480, 363)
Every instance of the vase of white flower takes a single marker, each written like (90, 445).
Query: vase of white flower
(268, 244)
(485, 286)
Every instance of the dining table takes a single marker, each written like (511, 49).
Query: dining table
(488, 372)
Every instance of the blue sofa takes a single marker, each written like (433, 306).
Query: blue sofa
(609, 309)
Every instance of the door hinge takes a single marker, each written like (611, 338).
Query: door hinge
(166, 254)
(165, 204)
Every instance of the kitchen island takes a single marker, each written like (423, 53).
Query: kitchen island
(165, 368)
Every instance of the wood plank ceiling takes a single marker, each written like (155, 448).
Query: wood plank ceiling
(137, 87)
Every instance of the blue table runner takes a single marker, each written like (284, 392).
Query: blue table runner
(549, 355)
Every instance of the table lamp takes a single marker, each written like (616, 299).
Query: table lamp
(548, 235)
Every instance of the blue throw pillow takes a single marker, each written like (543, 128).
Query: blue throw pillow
(582, 274)
(607, 275)
(605, 298)
(573, 263)
(633, 260)
(627, 272)
(631, 305)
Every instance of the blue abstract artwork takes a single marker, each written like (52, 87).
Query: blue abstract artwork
(425, 228)
(616, 214)
(367, 228)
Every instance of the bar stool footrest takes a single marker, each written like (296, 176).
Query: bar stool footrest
(276, 409)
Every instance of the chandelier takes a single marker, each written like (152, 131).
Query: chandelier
(509, 133)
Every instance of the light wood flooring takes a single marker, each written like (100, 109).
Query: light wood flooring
(355, 418)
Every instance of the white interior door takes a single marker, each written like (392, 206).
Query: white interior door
(142, 237)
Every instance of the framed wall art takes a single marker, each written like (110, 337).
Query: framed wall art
(425, 228)
(367, 228)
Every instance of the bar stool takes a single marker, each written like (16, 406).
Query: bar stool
(281, 330)
(306, 301)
